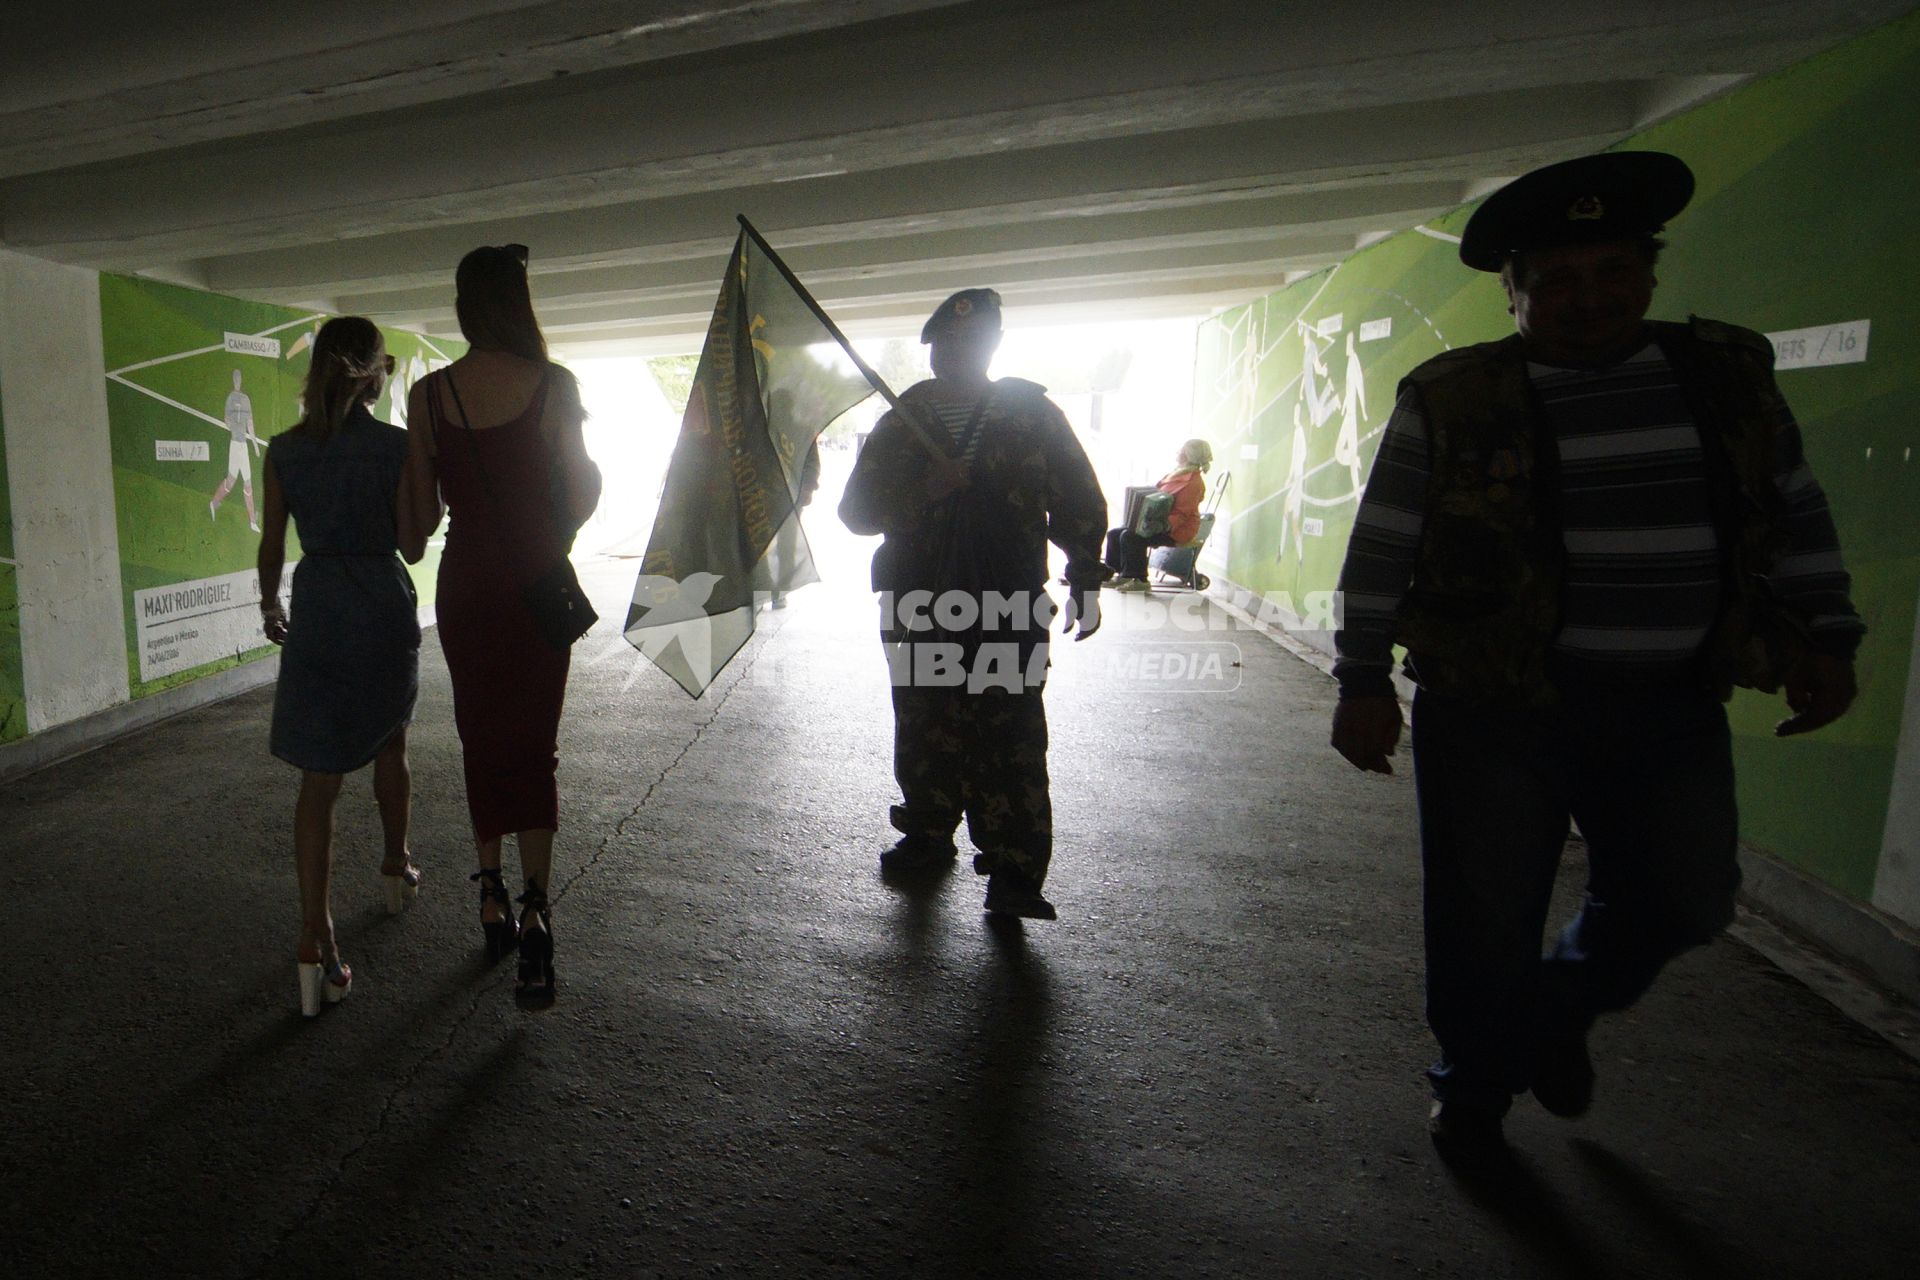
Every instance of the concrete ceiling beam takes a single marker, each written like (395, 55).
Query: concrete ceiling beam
(854, 255)
(1080, 219)
(1440, 141)
(859, 97)
(1120, 154)
(222, 73)
(912, 292)
(898, 317)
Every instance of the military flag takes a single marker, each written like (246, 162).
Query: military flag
(773, 374)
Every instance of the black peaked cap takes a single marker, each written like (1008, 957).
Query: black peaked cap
(1616, 195)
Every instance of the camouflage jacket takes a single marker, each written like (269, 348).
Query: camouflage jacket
(1030, 483)
(1483, 606)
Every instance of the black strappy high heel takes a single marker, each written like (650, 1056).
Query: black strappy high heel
(536, 944)
(501, 933)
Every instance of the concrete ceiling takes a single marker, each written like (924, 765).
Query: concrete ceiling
(1091, 158)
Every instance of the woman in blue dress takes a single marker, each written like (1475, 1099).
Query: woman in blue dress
(350, 668)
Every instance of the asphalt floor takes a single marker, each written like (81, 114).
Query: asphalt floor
(766, 1060)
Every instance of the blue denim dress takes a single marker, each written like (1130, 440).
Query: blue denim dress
(351, 666)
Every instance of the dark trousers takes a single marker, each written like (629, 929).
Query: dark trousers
(980, 755)
(1127, 551)
(1648, 775)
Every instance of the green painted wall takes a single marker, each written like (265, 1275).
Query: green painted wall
(170, 367)
(1804, 216)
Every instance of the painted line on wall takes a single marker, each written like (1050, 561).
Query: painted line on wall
(1287, 333)
(1284, 490)
(178, 355)
(167, 400)
(201, 351)
(1354, 495)
(113, 375)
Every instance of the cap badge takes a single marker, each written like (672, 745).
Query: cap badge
(964, 307)
(1586, 209)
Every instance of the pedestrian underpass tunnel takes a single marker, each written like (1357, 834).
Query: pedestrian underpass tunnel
(1231, 225)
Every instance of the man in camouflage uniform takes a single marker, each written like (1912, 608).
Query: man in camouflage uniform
(969, 479)
(1585, 535)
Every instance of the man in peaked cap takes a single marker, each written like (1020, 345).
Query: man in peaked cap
(968, 479)
(1585, 535)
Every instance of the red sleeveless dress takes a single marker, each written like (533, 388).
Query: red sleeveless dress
(508, 682)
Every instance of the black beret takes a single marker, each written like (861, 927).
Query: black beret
(1616, 195)
(966, 304)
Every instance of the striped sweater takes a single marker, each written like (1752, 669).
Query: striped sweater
(1642, 584)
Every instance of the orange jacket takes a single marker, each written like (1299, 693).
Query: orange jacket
(1188, 488)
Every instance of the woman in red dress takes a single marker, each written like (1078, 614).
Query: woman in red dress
(497, 437)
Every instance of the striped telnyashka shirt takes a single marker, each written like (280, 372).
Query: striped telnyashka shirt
(1642, 585)
(954, 415)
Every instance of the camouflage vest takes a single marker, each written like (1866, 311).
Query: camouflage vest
(1484, 605)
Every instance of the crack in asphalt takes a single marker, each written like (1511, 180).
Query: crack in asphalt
(620, 827)
(379, 1129)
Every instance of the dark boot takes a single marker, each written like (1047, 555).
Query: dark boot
(1470, 1140)
(918, 853)
(1563, 1074)
(1012, 892)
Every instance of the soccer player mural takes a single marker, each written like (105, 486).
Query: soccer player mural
(239, 420)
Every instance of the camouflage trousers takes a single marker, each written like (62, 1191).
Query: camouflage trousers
(982, 755)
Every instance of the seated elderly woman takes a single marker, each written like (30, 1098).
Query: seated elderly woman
(1160, 523)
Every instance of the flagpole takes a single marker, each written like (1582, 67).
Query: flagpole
(907, 415)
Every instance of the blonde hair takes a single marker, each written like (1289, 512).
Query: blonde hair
(349, 368)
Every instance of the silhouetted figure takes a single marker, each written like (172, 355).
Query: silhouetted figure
(787, 541)
(351, 664)
(963, 576)
(497, 434)
(1585, 535)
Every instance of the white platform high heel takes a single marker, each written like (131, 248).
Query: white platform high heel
(312, 978)
(322, 982)
(401, 889)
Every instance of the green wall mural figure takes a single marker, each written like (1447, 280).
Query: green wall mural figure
(183, 365)
(238, 414)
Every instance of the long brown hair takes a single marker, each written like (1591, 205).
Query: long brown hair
(493, 304)
(349, 368)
